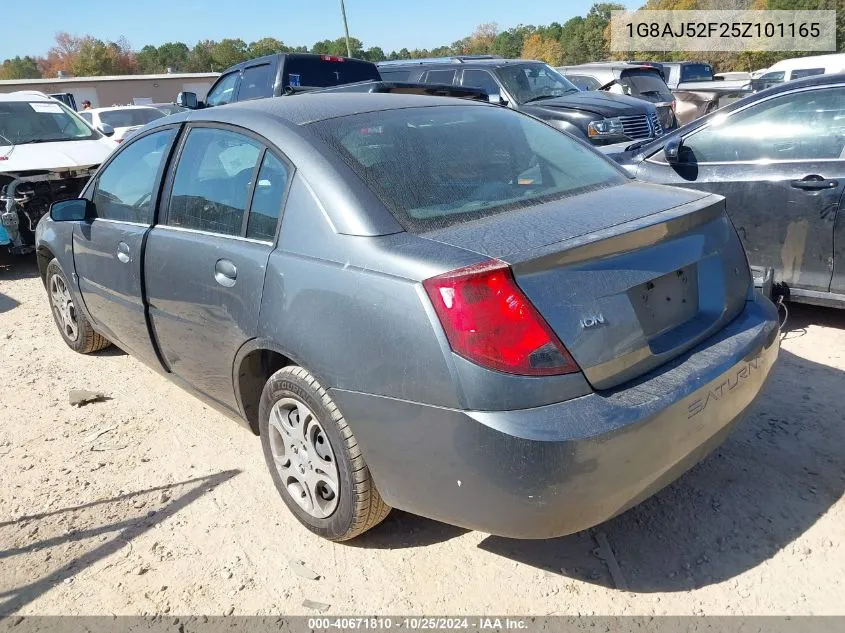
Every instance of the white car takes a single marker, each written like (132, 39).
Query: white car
(47, 153)
(124, 120)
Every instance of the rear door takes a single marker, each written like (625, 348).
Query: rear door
(107, 251)
(780, 165)
(205, 261)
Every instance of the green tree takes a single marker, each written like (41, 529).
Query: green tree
(228, 52)
(173, 55)
(20, 68)
(200, 60)
(147, 59)
(374, 54)
(338, 47)
(266, 46)
(509, 43)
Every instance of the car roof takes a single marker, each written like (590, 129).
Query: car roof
(456, 62)
(25, 95)
(309, 108)
(120, 107)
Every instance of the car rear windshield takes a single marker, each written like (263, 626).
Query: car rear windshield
(696, 72)
(130, 116)
(437, 166)
(40, 122)
(317, 72)
(644, 82)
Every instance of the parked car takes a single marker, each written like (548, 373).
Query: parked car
(280, 75)
(630, 78)
(697, 90)
(778, 157)
(539, 90)
(415, 303)
(65, 97)
(800, 67)
(47, 153)
(124, 120)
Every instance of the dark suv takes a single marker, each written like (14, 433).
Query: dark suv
(281, 74)
(537, 89)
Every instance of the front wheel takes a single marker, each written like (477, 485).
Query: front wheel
(314, 459)
(75, 329)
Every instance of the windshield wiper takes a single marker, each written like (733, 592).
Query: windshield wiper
(540, 97)
(51, 140)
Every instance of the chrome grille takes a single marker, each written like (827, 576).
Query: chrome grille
(636, 126)
(655, 124)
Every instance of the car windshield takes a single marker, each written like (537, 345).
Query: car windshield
(534, 82)
(696, 72)
(169, 108)
(24, 122)
(437, 166)
(130, 117)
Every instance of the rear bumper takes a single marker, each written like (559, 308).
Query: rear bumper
(559, 469)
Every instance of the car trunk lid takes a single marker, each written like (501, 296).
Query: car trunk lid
(627, 277)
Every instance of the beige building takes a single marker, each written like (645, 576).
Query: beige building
(118, 90)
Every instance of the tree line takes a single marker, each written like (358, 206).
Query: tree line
(578, 40)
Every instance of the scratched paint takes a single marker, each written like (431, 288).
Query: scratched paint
(792, 251)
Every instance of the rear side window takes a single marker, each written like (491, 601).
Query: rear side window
(480, 79)
(434, 167)
(256, 82)
(806, 72)
(124, 189)
(394, 75)
(130, 117)
(87, 116)
(213, 180)
(325, 71)
(440, 77)
(267, 199)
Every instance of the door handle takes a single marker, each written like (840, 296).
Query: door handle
(814, 182)
(123, 252)
(225, 273)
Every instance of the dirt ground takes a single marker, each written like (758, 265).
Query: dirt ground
(150, 502)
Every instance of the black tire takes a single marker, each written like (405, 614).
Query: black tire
(359, 504)
(85, 339)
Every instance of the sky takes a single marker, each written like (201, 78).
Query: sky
(390, 24)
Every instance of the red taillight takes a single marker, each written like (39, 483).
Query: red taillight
(332, 58)
(674, 105)
(488, 320)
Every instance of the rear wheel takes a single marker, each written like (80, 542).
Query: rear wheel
(314, 458)
(75, 329)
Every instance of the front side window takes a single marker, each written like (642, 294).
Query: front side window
(433, 167)
(440, 77)
(223, 91)
(212, 182)
(256, 83)
(23, 122)
(534, 82)
(768, 80)
(130, 117)
(124, 189)
(644, 83)
(584, 82)
(696, 72)
(481, 79)
(805, 125)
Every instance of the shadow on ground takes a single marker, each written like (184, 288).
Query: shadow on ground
(14, 267)
(110, 537)
(801, 316)
(781, 470)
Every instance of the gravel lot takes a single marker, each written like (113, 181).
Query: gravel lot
(151, 502)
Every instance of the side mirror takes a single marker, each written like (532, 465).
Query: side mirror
(74, 210)
(496, 99)
(187, 100)
(672, 149)
(106, 129)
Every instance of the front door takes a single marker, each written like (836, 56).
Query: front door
(780, 164)
(107, 250)
(205, 263)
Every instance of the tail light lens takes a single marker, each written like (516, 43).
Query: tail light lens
(332, 58)
(489, 321)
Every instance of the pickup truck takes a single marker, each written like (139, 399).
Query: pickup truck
(280, 75)
(698, 91)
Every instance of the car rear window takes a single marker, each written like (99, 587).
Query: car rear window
(320, 72)
(643, 82)
(130, 116)
(806, 72)
(438, 166)
(696, 72)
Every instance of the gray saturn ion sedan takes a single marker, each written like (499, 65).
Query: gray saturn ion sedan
(418, 302)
